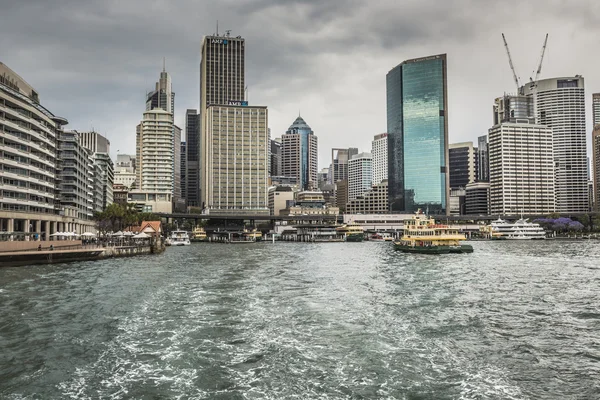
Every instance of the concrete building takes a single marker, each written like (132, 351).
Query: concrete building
(417, 126)
(379, 150)
(176, 162)
(183, 169)
(299, 154)
(596, 150)
(521, 161)
(279, 196)
(477, 198)
(99, 146)
(155, 153)
(237, 157)
(374, 201)
(323, 178)
(30, 177)
(120, 193)
(559, 103)
(461, 161)
(457, 201)
(341, 195)
(222, 82)
(125, 171)
(483, 162)
(338, 170)
(275, 157)
(360, 175)
(308, 203)
(192, 175)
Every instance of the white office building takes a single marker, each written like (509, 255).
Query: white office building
(379, 150)
(360, 175)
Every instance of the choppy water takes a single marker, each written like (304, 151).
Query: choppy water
(514, 320)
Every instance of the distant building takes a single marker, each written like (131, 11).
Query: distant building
(192, 175)
(275, 155)
(279, 196)
(99, 147)
(483, 164)
(338, 171)
(379, 150)
(183, 169)
(375, 201)
(299, 154)
(323, 178)
(360, 175)
(120, 192)
(125, 171)
(177, 162)
(341, 195)
(477, 198)
(457, 201)
(560, 105)
(596, 150)
(308, 203)
(417, 126)
(462, 158)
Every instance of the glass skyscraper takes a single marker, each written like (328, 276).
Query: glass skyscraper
(418, 135)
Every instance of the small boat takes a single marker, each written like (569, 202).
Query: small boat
(179, 238)
(352, 232)
(376, 237)
(423, 235)
(198, 235)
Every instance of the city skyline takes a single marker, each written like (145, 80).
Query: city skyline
(118, 52)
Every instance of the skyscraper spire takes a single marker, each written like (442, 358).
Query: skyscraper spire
(164, 64)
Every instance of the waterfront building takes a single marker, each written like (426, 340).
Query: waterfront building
(222, 82)
(30, 205)
(483, 164)
(275, 158)
(417, 127)
(461, 160)
(521, 161)
(360, 175)
(559, 104)
(192, 175)
(477, 198)
(237, 157)
(183, 169)
(279, 196)
(99, 146)
(379, 150)
(299, 154)
(374, 201)
(307, 203)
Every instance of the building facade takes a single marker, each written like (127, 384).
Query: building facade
(417, 125)
(279, 198)
(183, 169)
(338, 170)
(299, 154)
(275, 157)
(99, 146)
(237, 160)
(477, 198)
(461, 161)
(155, 152)
(379, 150)
(559, 103)
(596, 150)
(360, 175)
(483, 162)
(374, 201)
(192, 176)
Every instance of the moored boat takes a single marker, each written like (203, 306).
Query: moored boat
(423, 235)
(518, 230)
(352, 232)
(198, 235)
(179, 238)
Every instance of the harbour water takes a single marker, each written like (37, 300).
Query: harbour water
(513, 320)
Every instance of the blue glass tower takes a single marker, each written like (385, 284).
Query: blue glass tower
(418, 135)
(299, 154)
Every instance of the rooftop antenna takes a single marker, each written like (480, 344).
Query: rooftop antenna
(511, 66)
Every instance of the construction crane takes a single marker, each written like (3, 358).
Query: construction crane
(511, 65)
(539, 69)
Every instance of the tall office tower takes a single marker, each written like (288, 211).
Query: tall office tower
(360, 175)
(483, 162)
(236, 172)
(154, 138)
(183, 169)
(275, 154)
(417, 125)
(99, 146)
(177, 162)
(560, 105)
(521, 160)
(379, 150)
(596, 109)
(192, 176)
(596, 149)
(299, 155)
(461, 162)
(162, 96)
(338, 171)
(222, 82)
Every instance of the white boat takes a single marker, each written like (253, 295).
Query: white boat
(179, 238)
(518, 230)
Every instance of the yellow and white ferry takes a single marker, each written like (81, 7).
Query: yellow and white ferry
(423, 235)
(198, 235)
(352, 232)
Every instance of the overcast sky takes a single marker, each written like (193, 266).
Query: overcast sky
(93, 61)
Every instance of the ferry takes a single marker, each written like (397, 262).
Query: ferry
(518, 230)
(253, 235)
(179, 238)
(198, 235)
(423, 235)
(352, 232)
(377, 237)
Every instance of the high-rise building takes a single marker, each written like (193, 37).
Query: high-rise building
(222, 83)
(338, 171)
(360, 175)
(483, 162)
(596, 109)
(176, 162)
(379, 150)
(477, 198)
(236, 163)
(154, 138)
(275, 154)
(162, 96)
(192, 175)
(559, 104)
(183, 169)
(596, 150)
(461, 162)
(299, 154)
(521, 161)
(99, 146)
(417, 126)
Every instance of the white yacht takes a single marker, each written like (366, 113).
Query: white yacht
(518, 230)
(179, 238)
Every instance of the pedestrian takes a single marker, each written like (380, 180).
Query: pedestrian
(51, 247)
(39, 247)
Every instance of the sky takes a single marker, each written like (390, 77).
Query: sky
(92, 62)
